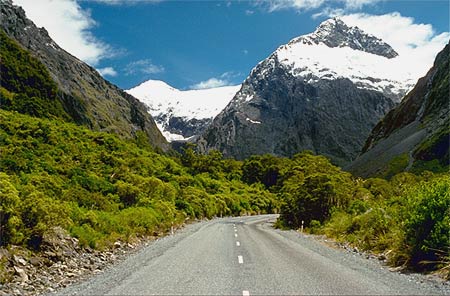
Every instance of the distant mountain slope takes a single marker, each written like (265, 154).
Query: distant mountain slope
(323, 92)
(415, 134)
(85, 96)
(182, 114)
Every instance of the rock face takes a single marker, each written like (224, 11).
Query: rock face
(181, 115)
(323, 92)
(418, 128)
(86, 96)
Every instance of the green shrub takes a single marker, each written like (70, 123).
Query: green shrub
(10, 204)
(427, 225)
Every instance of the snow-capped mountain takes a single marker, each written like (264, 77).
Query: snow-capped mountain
(335, 50)
(182, 114)
(323, 91)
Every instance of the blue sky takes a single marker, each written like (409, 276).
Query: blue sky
(198, 44)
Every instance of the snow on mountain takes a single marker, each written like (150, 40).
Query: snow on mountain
(182, 114)
(322, 91)
(335, 50)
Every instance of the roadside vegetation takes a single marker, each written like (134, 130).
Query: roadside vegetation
(407, 218)
(102, 189)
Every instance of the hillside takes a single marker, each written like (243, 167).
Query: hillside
(85, 96)
(414, 135)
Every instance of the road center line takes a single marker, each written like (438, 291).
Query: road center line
(240, 259)
(235, 235)
(238, 244)
(235, 230)
(245, 293)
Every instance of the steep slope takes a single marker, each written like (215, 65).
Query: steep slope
(323, 92)
(85, 96)
(17, 69)
(182, 114)
(415, 134)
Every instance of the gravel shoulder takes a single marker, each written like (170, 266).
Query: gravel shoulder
(201, 259)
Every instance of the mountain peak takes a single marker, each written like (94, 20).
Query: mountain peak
(335, 32)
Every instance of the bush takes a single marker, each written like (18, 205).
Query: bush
(10, 222)
(427, 224)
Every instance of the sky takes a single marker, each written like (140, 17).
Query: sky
(204, 44)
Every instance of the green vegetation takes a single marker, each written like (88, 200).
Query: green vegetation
(25, 83)
(397, 165)
(101, 188)
(433, 153)
(407, 217)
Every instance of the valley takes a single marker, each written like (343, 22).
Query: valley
(245, 183)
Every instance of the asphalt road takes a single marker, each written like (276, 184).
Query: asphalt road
(246, 256)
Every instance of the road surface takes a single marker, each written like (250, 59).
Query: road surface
(246, 256)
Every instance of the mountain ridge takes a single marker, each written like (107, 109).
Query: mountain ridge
(310, 96)
(182, 114)
(334, 33)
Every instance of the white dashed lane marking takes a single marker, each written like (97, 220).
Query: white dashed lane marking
(238, 244)
(245, 293)
(235, 235)
(240, 259)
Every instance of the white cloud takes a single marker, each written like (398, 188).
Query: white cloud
(107, 71)
(145, 66)
(274, 5)
(417, 44)
(126, 2)
(304, 5)
(358, 4)
(211, 83)
(329, 12)
(249, 12)
(68, 24)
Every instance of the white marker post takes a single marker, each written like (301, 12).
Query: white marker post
(301, 229)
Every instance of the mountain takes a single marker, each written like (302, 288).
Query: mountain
(415, 134)
(179, 114)
(85, 96)
(322, 91)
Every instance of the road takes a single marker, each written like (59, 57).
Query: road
(246, 256)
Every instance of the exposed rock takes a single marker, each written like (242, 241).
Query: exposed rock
(301, 99)
(182, 114)
(44, 274)
(335, 33)
(418, 128)
(19, 260)
(86, 96)
(21, 272)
